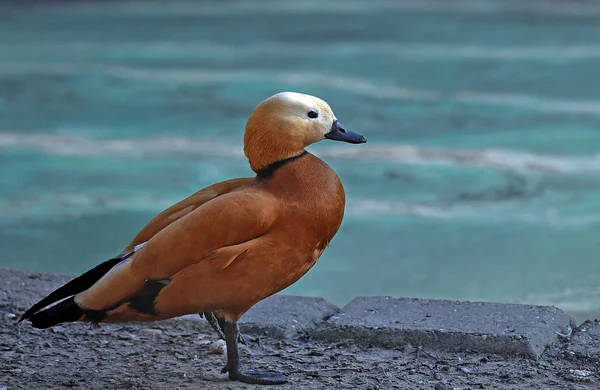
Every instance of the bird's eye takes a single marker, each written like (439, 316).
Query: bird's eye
(312, 114)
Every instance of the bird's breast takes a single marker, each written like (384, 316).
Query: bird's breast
(315, 201)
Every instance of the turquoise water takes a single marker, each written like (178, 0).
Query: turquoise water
(480, 180)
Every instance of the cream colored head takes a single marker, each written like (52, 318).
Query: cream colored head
(284, 124)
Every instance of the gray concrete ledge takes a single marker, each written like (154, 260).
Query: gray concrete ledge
(491, 328)
(286, 315)
(447, 325)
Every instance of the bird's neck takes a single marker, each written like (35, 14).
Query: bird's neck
(270, 142)
(269, 169)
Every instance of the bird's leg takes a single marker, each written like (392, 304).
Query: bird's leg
(241, 338)
(214, 323)
(218, 325)
(255, 377)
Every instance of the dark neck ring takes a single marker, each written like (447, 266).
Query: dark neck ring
(270, 169)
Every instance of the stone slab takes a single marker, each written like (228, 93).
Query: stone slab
(286, 315)
(452, 326)
(279, 315)
(585, 341)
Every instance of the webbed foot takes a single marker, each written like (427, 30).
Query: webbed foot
(258, 377)
(255, 377)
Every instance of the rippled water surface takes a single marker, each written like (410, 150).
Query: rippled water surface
(480, 180)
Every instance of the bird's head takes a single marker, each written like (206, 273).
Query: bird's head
(284, 124)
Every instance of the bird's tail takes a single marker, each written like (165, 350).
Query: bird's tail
(67, 310)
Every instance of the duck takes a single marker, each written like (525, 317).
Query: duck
(228, 246)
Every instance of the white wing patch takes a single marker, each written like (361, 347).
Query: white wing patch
(139, 246)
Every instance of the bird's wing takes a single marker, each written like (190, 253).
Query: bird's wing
(183, 208)
(230, 220)
(158, 223)
(217, 282)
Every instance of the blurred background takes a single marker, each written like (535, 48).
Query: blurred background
(480, 180)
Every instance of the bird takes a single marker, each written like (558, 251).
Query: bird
(228, 246)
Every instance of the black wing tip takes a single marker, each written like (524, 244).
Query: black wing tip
(28, 314)
(65, 311)
(33, 310)
(75, 286)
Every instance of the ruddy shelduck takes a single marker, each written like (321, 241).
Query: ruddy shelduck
(229, 245)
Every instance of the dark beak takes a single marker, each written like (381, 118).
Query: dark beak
(338, 133)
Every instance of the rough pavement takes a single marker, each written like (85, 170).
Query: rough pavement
(175, 354)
